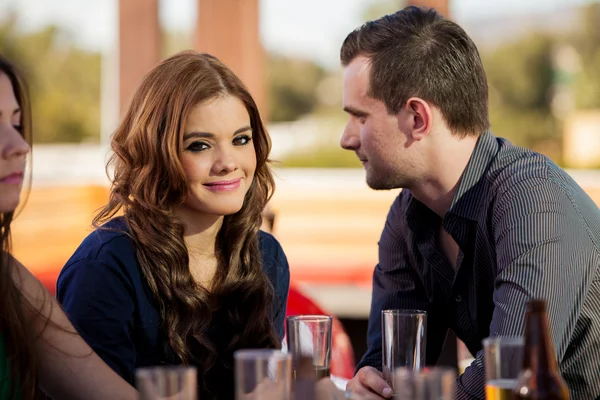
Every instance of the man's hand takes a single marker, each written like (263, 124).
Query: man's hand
(368, 384)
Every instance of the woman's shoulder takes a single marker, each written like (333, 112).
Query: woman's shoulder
(107, 244)
(274, 261)
(270, 248)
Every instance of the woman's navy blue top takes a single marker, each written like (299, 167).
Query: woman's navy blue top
(105, 295)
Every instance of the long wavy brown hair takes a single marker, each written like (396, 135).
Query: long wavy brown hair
(16, 324)
(149, 181)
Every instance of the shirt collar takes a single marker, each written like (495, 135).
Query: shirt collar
(464, 203)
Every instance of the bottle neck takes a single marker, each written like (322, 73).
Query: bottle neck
(539, 353)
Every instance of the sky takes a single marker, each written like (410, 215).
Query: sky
(307, 28)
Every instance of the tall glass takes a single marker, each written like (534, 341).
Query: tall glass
(403, 336)
(262, 374)
(310, 335)
(167, 382)
(429, 384)
(503, 362)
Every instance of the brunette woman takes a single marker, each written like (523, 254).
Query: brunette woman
(39, 348)
(183, 275)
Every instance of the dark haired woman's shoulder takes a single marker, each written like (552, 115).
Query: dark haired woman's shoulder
(109, 244)
(269, 246)
(275, 266)
(267, 240)
(273, 256)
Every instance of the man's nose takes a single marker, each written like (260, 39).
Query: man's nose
(350, 140)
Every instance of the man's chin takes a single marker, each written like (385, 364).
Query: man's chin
(377, 183)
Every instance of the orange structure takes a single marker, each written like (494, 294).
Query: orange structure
(228, 29)
(139, 44)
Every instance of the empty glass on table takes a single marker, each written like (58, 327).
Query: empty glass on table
(310, 335)
(403, 337)
(167, 383)
(262, 374)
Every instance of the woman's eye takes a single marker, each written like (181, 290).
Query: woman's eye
(18, 128)
(197, 146)
(242, 140)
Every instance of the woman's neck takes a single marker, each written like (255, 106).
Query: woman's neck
(200, 236)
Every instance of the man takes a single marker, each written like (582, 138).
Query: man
(481, 226)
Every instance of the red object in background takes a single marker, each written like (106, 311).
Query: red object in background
(342, 355)
(49, 279)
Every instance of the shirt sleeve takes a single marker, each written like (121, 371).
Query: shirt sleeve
(397, 285)
(543, 251)
(98, 300)
(282, 290)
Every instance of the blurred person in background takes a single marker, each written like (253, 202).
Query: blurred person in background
(481, 226)
(184, 275)
(39, 348)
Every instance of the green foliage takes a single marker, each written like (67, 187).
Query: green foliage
(64, 82)
(322, 157)
(292, 87)
(521, 73)
(520, 78)
(587, 43)
(65, 85)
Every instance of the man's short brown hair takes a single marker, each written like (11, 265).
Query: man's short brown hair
(416, 52)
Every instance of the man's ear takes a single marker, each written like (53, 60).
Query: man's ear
(417, 118)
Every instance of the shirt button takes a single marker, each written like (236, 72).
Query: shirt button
(458, 299)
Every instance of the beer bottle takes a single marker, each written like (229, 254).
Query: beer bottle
(539, 379)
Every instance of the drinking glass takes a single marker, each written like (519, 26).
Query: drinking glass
(310, 335)
(503, 358)
(403, 336)
(262, 374)
(167, 383)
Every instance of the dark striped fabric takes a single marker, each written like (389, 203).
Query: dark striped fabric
(525, 230)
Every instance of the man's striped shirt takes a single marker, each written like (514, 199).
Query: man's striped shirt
(525, 230)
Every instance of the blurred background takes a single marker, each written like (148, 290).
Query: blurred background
(84, 59)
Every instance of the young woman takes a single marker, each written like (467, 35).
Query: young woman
(183, 275)
(39, 349)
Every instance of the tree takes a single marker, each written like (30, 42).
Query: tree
(585, 41)
(292, 87)
(64, 82)
(520, 79)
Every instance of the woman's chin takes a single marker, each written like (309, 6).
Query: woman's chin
(8, 203)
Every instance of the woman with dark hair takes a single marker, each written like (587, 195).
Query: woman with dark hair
(39, 348)
(183, 275)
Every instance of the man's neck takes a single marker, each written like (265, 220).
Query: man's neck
(439, 185)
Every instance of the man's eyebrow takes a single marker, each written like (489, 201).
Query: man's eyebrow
(353, 111)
